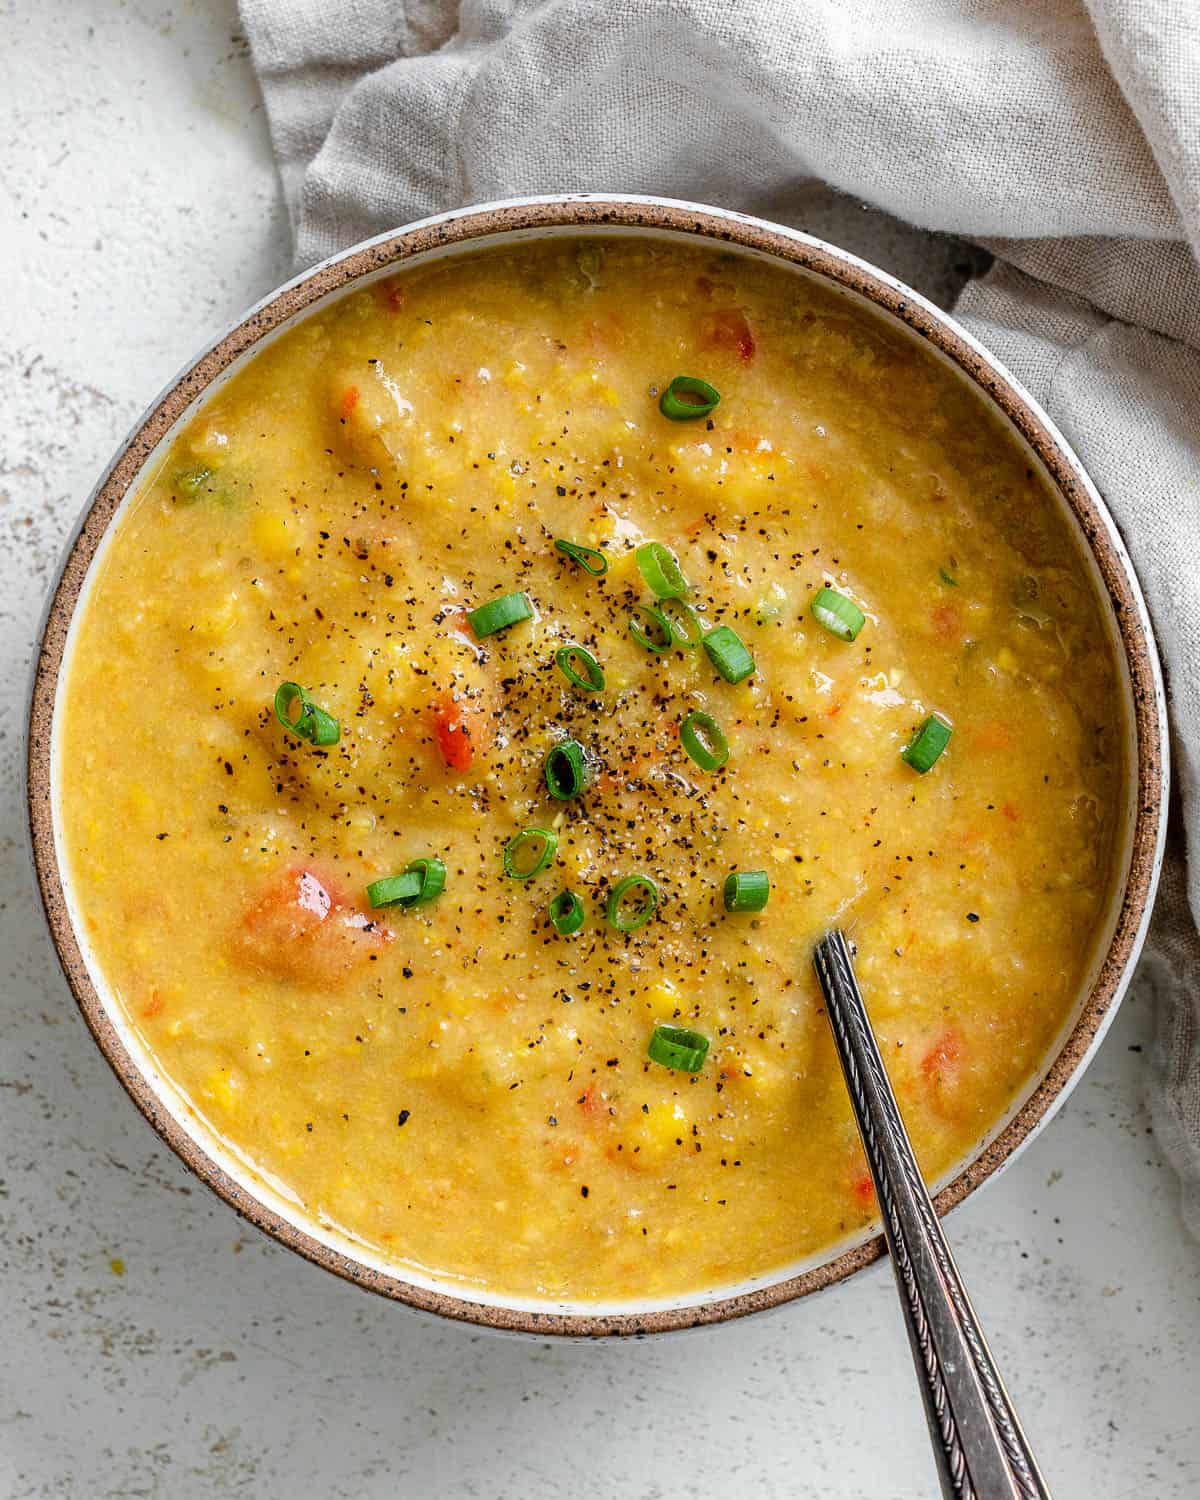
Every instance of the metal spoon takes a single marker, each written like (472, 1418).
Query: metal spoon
(980, 1450)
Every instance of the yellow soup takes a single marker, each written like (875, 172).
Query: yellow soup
(456, 1083)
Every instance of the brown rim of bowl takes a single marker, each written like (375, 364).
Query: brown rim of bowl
(711, 225)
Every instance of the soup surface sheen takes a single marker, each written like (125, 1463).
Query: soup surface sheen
(457, 1085)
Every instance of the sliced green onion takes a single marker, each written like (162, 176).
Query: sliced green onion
(423, 880)
(704, 740)
(687, 628)
(948, 578)
(838, 614)
(499, 614)
(727, 652)
(928, 743)
(529, 852)
(188, 483)
(630, 921)
(660, 568)
(567, 770)
(688, 397)
(665, 638)
(218, 486)
(566, 658)
(432, 873)
(311, 723)
(396, 890)
(587, 558)
(567, 913)
(747, 890)
(676, 1047)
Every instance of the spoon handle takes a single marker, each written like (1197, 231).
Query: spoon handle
(981, 1452)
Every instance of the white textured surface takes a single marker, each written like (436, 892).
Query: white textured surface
(139, 212)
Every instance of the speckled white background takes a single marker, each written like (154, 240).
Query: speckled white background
(138, 213)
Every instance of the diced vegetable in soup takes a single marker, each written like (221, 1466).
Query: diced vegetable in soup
(502, 682)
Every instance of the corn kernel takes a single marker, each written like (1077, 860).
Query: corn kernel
(272, 535)
(659, 1130)
(223, 1089)
(663, 999)
(218, 621)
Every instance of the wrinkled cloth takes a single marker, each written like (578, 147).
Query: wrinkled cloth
(1061, 135)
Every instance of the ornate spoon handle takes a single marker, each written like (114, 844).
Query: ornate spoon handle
(981, 1452)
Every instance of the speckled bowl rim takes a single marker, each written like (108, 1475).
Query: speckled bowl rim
(478, 225)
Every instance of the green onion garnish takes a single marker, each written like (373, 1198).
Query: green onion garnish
(727, 652)
(396, 890)
(499, 614)
(747, 890)
(187, 483)
(630, 921)
(676, 1047)
(928, 743)
(311, 723)
(433, 877)
(423, 880)
(704, 740)
(688, 397)
(587, 558)
(687, 628)
(660, 568)
(566, 658)
(664, 637)
(838, 614)
(567, 913)
(948, 578)
(567, 770)
(540, 843)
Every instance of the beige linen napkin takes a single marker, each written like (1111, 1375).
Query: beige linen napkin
(1064, 135)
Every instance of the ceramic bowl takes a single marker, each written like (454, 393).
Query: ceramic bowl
(463, 231)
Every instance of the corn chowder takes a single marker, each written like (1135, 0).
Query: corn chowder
(498, 687)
